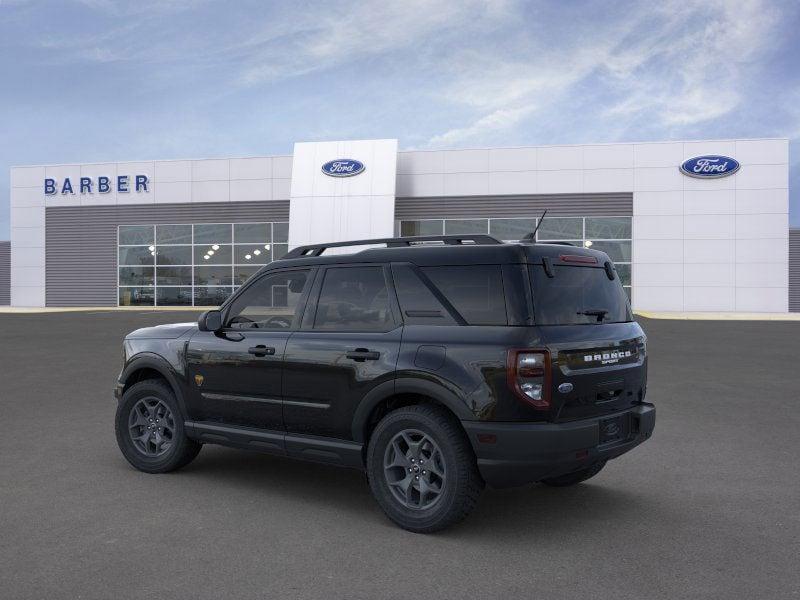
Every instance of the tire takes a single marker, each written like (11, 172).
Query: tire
(450, 485)
(163, 448)
(575, 476)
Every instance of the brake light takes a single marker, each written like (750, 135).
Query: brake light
(528, 373)
(577, 258)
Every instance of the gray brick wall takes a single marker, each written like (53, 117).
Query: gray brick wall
(5, 273)
(794, 270)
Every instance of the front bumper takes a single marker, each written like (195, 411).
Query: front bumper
(527, 452)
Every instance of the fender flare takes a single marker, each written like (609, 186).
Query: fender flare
(149, 360)
(406, 385)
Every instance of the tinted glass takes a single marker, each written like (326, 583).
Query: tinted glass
(617, 251)
(251, 233)
(354, 299)
(511, 229)
(417, 303)
(135, 255)
(565, 298)
(242, 273)
(174, 255)
(561, 228)
(174, 275)
(211, 275)
(271, 303)
(174, 234)
(279, 251)
(135, 234)
(410, 228)
(280, 232)
(461, 226)
(624, 272)
(212, 233)
(221, 256)
(251, 254)
(476, 292)
(614, 228)
(174, 296)
(136, 276)
(133, 296)
(211, 296)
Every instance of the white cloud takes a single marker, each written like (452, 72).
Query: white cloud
(672, 64)
(298, 44)
(500, 119)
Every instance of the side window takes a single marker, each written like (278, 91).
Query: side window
(476, 291)
(353, 299)
(418, 303)
(271, 303)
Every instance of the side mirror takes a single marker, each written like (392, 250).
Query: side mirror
(211, 320)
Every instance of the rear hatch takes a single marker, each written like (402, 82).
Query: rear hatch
(597, 351)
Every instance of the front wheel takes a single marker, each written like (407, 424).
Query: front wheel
(422, 470)
(150, 431)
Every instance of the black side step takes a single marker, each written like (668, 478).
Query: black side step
(306, 447)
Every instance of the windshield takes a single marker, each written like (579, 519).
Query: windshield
(578, 295)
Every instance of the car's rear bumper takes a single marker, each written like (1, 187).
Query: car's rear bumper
(511, 454)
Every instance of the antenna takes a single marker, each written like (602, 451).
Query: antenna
(531, 237)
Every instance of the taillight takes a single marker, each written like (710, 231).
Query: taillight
(529, 376)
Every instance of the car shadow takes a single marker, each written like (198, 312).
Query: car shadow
(538, 510)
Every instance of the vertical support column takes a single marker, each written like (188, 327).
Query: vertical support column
(325, 208)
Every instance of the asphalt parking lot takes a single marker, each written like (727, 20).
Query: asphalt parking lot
(709, 508)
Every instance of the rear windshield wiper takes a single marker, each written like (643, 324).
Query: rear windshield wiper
(600, 313)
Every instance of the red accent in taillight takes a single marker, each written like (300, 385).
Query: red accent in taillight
(581, 454)
(577, 258)
(516, 374)
(487, 438)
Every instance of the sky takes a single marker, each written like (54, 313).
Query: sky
(98, 80)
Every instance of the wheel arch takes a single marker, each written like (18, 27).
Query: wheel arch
(152, 366)
(403, 392)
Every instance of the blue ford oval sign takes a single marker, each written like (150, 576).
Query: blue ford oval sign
(343, 167)
(710, 166)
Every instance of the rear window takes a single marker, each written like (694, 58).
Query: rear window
(577, 296)
(475, 291)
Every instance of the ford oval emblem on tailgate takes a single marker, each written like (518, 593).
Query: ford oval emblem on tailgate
(565, 388)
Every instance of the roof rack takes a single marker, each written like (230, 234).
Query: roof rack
(557, 243)
(448, 240)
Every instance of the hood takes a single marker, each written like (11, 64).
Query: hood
(162, 332)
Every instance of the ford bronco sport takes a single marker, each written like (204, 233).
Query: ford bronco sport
(435, 364)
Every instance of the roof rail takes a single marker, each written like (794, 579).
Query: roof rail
(557, 243)
(449, 240)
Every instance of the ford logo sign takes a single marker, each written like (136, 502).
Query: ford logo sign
(710, 166)
(343, 167)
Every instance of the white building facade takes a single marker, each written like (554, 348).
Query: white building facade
(188, 232)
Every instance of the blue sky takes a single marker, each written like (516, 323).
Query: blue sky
(98, 80)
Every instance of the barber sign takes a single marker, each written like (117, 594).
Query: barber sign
(343, 167)
(709, 167)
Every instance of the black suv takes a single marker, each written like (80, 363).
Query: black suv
(435, 364)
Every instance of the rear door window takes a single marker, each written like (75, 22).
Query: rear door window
(354, 299)
(578, 295)
(475, 291)
(419, 304)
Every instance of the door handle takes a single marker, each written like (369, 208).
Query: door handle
(261, 350)
(362, 354)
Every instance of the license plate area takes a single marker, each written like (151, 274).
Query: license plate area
(614, 429)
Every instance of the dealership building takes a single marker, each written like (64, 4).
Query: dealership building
(692, 226)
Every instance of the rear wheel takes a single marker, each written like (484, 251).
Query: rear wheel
(422, 470)
(575, 476)
(149, 429)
